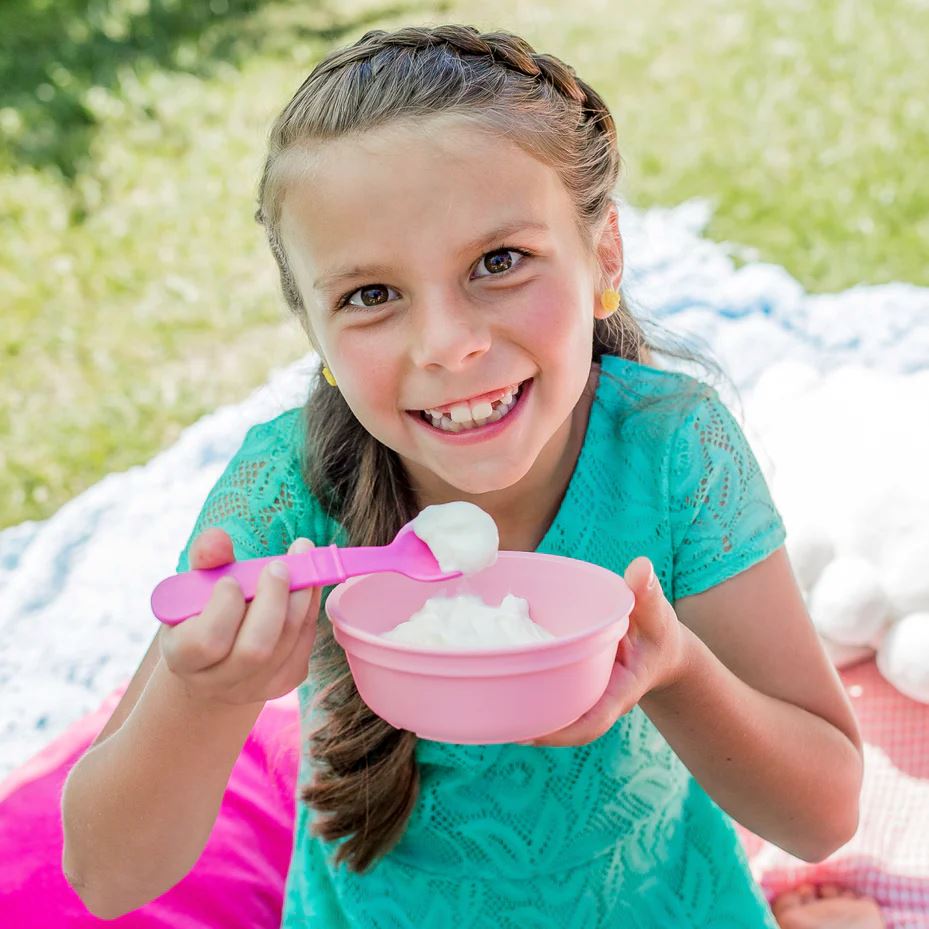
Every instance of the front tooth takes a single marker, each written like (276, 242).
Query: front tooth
(460, 413)
(481, 410)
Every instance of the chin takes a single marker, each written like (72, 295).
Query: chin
(476, 481)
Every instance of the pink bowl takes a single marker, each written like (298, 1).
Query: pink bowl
(507, 694)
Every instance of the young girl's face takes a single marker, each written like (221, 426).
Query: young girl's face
(440, 265)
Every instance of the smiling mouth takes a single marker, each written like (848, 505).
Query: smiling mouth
(465, 416)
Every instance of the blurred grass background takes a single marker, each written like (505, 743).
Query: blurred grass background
(139, 294)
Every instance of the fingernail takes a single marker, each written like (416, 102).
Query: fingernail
(300, 545)
(279, 569)
(229, 582)
(652, 578)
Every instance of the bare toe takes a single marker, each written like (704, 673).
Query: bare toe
(831, 913)
(785, 901)
(806, 891)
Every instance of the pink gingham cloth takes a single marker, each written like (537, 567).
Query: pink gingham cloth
(888, 858)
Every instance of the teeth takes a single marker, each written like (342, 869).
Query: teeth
(460, 413)
(462, 417)
(464, 412)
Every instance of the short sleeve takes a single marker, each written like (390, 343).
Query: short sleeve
(723, 519)
(257, 498)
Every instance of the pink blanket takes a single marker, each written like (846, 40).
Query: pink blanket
(239, 879)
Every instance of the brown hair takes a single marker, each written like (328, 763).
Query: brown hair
(366, 781)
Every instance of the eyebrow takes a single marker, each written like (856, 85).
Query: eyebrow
(377, 270)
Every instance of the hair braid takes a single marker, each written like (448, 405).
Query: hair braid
(502, 48)
(365, 777)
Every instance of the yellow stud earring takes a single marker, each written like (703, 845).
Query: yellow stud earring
(609, 300)
(327, 374)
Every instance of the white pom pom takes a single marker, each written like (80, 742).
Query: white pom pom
(903, 658)
(810, 549)
(905, 572)
(848, 604)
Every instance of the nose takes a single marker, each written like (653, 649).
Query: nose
(448, 332)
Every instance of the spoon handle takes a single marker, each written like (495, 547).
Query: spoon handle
(183, 595)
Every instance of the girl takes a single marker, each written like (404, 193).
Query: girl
(439, 204)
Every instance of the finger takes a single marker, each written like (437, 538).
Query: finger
(264, 619)
(300, 600)
(594, 723)
(306, 629)
(296, 665)
(300, 608)
(207, 638)
(210, 549)
(615, 701)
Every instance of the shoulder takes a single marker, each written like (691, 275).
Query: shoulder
(654, 405)
(676, 424)
(268, 461)
(261, 498)
(281, 434)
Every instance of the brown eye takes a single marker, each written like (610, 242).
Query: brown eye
(371, 296)
(501, 260)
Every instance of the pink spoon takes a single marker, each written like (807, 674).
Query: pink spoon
(183, 595)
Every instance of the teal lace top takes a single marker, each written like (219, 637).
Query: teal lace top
(616, 833)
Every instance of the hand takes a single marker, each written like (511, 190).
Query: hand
(650, 656)
(237, 653)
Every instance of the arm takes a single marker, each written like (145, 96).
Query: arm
(138, 807)
(738, 684)
(758, 715)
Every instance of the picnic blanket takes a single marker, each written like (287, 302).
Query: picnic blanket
(239, 879)
(75, 618)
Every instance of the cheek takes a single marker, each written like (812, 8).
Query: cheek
(368, 375)
(556, 317)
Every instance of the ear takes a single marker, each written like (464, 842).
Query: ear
(609, 256)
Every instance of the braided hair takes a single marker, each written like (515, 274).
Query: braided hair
(366, 781)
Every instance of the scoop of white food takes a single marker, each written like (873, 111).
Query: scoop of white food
(461, 535)
(467, 622)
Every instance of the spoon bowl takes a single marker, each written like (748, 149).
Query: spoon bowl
(183, 595)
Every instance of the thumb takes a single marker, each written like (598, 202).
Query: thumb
(650, 602)
(211, 548)
(641, 578)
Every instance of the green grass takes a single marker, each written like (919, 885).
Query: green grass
(138, 293)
